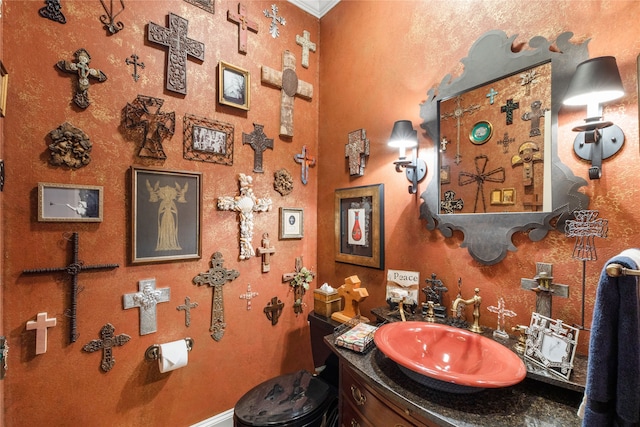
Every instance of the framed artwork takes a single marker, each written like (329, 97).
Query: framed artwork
(207, 140)
(359, 225)
(208, 5)
(504, 196)
(445, 175)
(291, 223)
(69, 202)
(165, 215)
(234, 84)
(4, 86)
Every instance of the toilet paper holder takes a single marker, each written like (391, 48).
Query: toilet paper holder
(153, 352)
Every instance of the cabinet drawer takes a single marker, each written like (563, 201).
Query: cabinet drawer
(349, 417)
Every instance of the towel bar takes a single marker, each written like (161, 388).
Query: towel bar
(616, 270)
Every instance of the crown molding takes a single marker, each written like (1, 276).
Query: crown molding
(317, 8)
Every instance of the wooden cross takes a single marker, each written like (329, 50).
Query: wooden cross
(41, 326)
(353, 295)
(245, 204)
(73, 269)
(457, 114)
(307, 45)
(450, 203)
(244, 24)
(275, 20)
(357, 150)
(248, 296)
(180, 48)
(544, 289)
(505, 141)
(84, 72)
(298, 291)
(259, 142)
(305, 162)
(273, 310)
(508, 109)
(108, 341)
(585, 228)
(290, 86)
(216, 277)
(491, 95)
(144, 114)
(147, 299)
(187, 306)
(136, 64)
(536, 113)
(502, 312)
(265, 251)
(480, 177)
(53, 11)
(528, 154)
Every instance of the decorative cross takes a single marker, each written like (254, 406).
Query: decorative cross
(248, 296)
(528, 154)
(53, 11)
(527, 80)
(457, 114)
(435, 289)
(245, 204)
(536, 113)
(265, 251)
(449, 204)
(492, 93)
(275, 20)
(109, 19)
(216, 277)
(502, 312)
(136, 64)
(544, 289)
(83, 71)
(508, 109)
(180, 48)
(307, 45)
(144, 114)
(480, 177)
(73, 269)
(298, 291)
(244, 24)
(305, 162)
(357, 150)
(41, 326)
(290, 86)
(108, 341)
(273, 310)
(259, 142)
(443, 144)
(505, 141)
(146, 299)
(585, 228)
(187, 306)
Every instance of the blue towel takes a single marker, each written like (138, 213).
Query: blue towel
(613, 371)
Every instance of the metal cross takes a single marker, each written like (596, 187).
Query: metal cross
(187, 306)
(505, 141)
(449, 204)
(147, 299)
(259, 142)
(357, 150)
(109, 18)
(265, 251)
(544, 289)
(480, 177)
(273, 310)
(275, 20)
(108, 341)
(180, 48)
(508, 109)
(248, 296)
(435, 289)
(457, 113)
(527, 80)
(491, 95)
(216, 277)
(41, 326)
(244, 24)
(305, 162)
(135, 64)
(144, 114)
(585, 228)
(502, 312)
(53, 11)
(73, 269)
(536, 113)
(307, 45)
(84, 72)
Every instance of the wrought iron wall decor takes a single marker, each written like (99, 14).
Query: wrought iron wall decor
(69, 146)
(84, 73)
(207, 140)
(143, 115)
(53, 11)
(109, 20)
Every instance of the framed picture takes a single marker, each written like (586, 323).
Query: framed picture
(69, 202)
(291, 223)
(359, 225)
(4, 86)
(165, 215)
(208, 5)
(207, 140)
(233, 86)
(445, 175)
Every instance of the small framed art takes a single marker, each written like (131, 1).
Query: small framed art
(234, 85)
(69, 202)
(291, 223)
(207, 140)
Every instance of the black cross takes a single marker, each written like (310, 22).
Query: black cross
(259, 142)
(480, 177)
(273, 310)
(449, 204)
(135, 64)
(108, 341)
(144, 114)
(508, 108)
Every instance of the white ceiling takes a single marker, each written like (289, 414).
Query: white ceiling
(316, 8)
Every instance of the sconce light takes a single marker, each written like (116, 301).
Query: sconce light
(595, 82)
(404, 136)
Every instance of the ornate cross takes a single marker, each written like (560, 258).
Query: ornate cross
(249, 295)
(585, 228)
(528, 154)
(357, 150)
(108, 341)
(544, 289)
(527, 80)
(505, 141)
(180, 48)
(275, 20)
(491, 95)
(536, 113)
(41, 326)
(457, 114)
(443, 144)
(305, 162)
(480, 177)
(146, 299)
(245, 204)
(136, 64)
(53, 11)
(298, 291)
(273, 310)
(508, 109)
(187, 306)
(450, 203)
(73, 269)
(259, 142)
(109, 19)
(290, 86)
(144, 114)
(435, 289)
(244, 24)
(265, 251)
(502, 312)
(216, 277)
(307, 45)
(84, 72)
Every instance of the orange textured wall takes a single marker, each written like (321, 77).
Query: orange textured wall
(65, 386)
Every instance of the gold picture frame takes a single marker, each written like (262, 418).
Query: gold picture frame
(234, 86)
(4, 86)
(70, 202)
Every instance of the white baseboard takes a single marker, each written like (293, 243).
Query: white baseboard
(223, 419)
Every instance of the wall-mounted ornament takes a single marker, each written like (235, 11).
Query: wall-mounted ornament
(491, 95)
(244, 24)
(107, 342)
(445, 174)
(544, 289)
(503, 196)
(443, 143)
(537, 112)
(4, 355)
(109, 19)
(501, 311)
(290, 86)
(147, 299)
(144, 115)
(305, 161)
(246, 203)
(186, 307)
(307, 45)
(208, 5)
(70, 147)
(249, 295)
(41, 326)
(275, 20)
(81, 69)
(259, 142)
(457, 113)
(481, 132)
(283, 181)
(505, 142)
(207, 140)
(134, 61)
(180, 48)
(528, 79)
(480, 177)
(273, 310)
(53, 11)
(1, 174)
(299, 281)
(216, 278)
(357, 151)
(508, 109)
(450, 204)
(265, 251)
(528, 154)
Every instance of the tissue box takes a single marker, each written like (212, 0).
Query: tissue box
(326, 303)
(359, 338)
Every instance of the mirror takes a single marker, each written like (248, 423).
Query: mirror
(496, 129)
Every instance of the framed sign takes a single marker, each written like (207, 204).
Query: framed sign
(234, 84)
(165, 215)
(69, 202)
(359, 225)
(207, 140)
(291, 223)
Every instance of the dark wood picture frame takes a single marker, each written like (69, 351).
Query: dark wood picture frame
(166, 209)
(234, 86)
(207, 140)
(291, 223)
(359, 225)
(69, 202)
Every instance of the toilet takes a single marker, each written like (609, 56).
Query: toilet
(296, 399)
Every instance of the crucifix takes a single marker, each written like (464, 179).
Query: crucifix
(480, 177)
(136, 64)
(216, 277)
(246, 203)
(53, 11)
(357, 150)
(275, 20)
(305, 161)
(545, 290)
(508, 109)
(528, 154)
(505, 141)
(259, 142)
(180, 48)
(502, 312)
(144, 114)
(450, 203)
(457, 114)
(290, 86)
(109, 19)
(536, 113)
(108, 341)
(249, 295)
(84, 72)
(186, 307)
(147, 299)
(265, 251)
(273, 310)
(244, 24)
(307, 45)
(73, 269)
(491, 95)
(41, 326)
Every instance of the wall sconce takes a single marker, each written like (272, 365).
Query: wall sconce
(402, 137)
(595, 82)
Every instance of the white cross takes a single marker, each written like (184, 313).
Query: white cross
(41, 326)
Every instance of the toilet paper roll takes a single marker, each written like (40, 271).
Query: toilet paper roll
(173, 355)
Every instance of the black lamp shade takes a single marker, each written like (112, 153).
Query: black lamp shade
(595, 80)
(403, 135)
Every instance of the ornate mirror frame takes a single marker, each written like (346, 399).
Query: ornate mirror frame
(487, 236)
